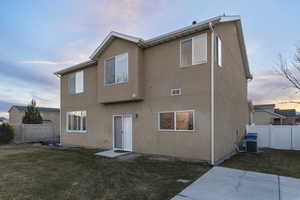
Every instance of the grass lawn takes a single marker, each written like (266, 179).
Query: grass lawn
(280, 162)
(28, 172)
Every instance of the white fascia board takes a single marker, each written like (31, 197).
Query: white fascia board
(75, 67)
(230, 18)
(180, 31)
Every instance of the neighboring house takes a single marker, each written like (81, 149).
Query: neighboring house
(16, 114)
(173, 94)
(267, 114)
(3, 120)
(290, 116)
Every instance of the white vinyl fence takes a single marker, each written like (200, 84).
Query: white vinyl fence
(277, 136)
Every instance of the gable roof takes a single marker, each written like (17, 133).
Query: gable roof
(272, 113)
(2, 119)
(109, 38)
(167, 37)
(76, 67)
(286, 112)
(264, 106)
(41, 109)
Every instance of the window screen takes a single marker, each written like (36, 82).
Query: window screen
(121, 68)
(79, 82)
(200, 49)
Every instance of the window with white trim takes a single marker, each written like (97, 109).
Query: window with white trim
(176, 121)
(76, 83)
(76, 121)
(116, 69)
(218, 50)
(193, 51)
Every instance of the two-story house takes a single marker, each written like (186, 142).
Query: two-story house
(181, 94)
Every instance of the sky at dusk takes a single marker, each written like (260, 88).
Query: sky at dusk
(38, 38)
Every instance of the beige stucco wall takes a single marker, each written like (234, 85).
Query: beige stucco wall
(231, 103)
(159, 72)
(123, 91)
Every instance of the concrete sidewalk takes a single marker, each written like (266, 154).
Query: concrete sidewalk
(232, 184)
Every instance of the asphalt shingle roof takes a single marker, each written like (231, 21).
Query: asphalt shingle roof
(286, 112)
(41, 109)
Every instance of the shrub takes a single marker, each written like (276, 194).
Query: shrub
(6, 133)
(32, 114)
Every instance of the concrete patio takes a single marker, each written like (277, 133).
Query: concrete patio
(111, 154)
(232, 184)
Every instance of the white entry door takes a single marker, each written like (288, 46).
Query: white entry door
(122, 132)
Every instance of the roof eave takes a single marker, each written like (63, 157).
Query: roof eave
(167, 37)
(244, 50)
(180, 33)
(109, 38)
(75, 67)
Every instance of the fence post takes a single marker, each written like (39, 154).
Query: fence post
(270, 135)
(292, 138)
(21, 131)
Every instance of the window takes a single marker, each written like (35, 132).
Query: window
(76, 83)
(193, 51)
(176, 121)
(116, 69)
(176, 92)
(218, 50)
(76, 121)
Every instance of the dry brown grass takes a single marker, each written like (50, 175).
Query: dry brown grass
(272, 161)
(28, 172)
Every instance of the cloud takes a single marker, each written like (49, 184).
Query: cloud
(20, 83)
(5, 105)
(271, 87)
(43, 62)
(25, 74)
(4, 114)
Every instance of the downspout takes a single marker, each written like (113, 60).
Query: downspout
(60, 113)
(212, 93)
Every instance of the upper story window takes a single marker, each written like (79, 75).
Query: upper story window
(76, 83)
(116, 69)
(193, 51)
(218, 50)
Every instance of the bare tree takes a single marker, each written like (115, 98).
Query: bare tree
(291, 70)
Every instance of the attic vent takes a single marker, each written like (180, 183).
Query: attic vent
(176, 92)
